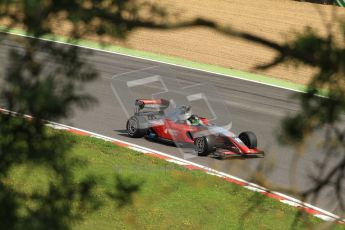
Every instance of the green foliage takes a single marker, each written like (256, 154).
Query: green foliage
(322, 114)
(45, 80)
(328, 56)
(27, 143)
(169, 195)
(114, 18)
(125, 188)
(33, 85)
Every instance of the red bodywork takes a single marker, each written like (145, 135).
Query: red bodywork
(183, 133)
(178, 132)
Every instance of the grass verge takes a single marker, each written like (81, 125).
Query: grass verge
(170, 196)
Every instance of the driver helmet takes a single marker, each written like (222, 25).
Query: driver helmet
(194, 120)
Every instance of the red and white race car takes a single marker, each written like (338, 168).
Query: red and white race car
(181, 127)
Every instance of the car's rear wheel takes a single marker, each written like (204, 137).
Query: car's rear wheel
(204, 145)
(133, 128)
(249, 139)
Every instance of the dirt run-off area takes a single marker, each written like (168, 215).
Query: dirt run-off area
(273, 19)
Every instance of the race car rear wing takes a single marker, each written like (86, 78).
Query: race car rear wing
(160, 104)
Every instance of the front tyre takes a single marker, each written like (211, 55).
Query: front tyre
(133, 128)
(249, 139)
(204, 145)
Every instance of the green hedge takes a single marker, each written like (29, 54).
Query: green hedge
(328, 2)
(340, 3)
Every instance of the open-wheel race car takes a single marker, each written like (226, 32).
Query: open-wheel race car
(181, 127)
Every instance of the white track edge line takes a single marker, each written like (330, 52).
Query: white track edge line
(158, 61)
(254, 186)
(213, 171)
(185, 67)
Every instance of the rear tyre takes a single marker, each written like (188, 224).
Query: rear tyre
(133, 128)
(204, 145)
(249, 139)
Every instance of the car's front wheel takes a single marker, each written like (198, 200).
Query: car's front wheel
(133, 128)
(249, 139)
(204, 145)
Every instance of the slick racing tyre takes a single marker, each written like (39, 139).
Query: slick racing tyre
(249, 139)
(204, 145)
(133, 128)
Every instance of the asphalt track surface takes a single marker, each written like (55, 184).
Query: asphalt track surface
(256, 107)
